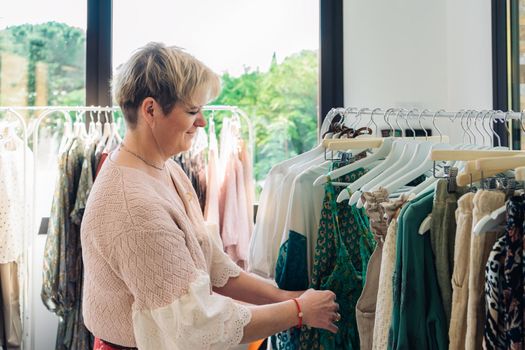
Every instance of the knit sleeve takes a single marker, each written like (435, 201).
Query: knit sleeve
(173, 307)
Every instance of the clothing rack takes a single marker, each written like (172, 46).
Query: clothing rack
(425, 113)
(32, 129)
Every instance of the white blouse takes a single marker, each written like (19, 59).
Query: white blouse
(13, 218)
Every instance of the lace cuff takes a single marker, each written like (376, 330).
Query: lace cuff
(223, 268)
(197, 320)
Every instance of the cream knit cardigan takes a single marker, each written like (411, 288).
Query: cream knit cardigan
(149, 265)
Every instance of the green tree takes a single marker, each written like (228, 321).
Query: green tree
(282, 104)
(61, 48)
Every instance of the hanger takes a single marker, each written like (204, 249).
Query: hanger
(418, 164)
(497, 218)
(116, 127)
(431, 181)
(98, 125)
(342, 144)
(382, 152)
(94, 132)
(401, 152)
(464, 155)
(114, 137)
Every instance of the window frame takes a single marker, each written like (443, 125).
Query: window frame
(99, 43)
(505, 68)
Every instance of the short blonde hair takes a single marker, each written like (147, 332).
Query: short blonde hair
(166, 73)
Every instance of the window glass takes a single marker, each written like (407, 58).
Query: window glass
(266, 52)
(42, 53)
(42, 62)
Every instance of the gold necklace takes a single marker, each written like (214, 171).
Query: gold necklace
(123, 147)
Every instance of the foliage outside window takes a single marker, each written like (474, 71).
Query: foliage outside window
(44, 64)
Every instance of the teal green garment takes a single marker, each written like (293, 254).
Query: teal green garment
(418, 317)
(343, 248)
(291, 273)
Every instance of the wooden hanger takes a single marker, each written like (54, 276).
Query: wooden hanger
(358, 143)
(498, 163)
(442, 155)
(478, 169)
(373, 142)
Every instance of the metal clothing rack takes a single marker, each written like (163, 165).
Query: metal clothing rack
(465, 117)
(63, 112)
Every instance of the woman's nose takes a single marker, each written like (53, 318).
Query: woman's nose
(200, 121)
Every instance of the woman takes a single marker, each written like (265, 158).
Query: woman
(150, 266)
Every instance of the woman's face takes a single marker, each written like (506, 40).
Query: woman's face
(176, 130)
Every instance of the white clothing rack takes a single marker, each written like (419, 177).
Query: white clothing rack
(63, 112)
(425, 113)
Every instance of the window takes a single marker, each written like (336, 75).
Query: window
(42, 53)
(267, 58)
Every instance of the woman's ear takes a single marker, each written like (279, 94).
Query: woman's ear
(148, 109)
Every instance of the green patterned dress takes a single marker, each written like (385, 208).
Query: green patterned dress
(343, 249)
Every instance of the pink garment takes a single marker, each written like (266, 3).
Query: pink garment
(234, 218)
(147, 255)
(246, 160)
(211, 209)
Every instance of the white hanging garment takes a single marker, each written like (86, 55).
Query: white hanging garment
(14, 213)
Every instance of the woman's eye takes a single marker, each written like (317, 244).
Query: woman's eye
(193, 112)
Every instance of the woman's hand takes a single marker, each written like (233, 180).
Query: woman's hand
(320, 309)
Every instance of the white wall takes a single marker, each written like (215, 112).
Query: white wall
(422, 54)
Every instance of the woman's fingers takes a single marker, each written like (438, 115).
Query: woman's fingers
(332, 328)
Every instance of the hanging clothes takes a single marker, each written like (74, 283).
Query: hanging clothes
(14, 220)
(211, 208)
(63, 270)
(504, 283)
(418, 318)
(293, 265)
(12, 206)
(458, 317)
(10, 320)
(343, 248)
(442, 237)
(235, 223)
(195, 168)
(383, 316)
(366, 305)
(485, 202)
